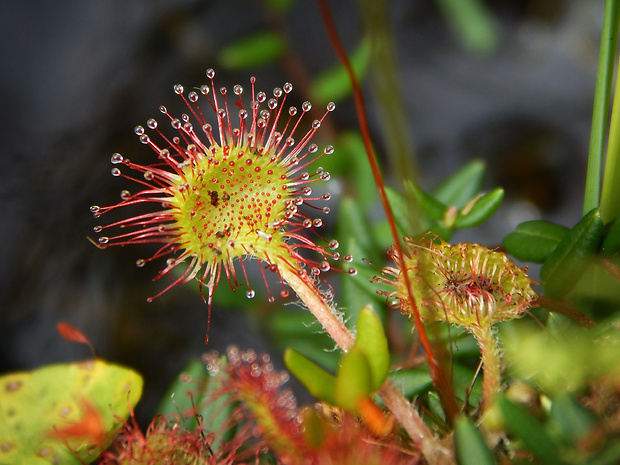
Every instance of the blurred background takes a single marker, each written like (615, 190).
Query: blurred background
(508, 81)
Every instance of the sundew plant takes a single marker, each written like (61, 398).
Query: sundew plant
(415, 348)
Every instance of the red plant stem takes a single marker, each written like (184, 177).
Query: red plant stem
(444, 389)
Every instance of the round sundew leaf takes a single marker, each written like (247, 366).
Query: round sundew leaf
(66, 413)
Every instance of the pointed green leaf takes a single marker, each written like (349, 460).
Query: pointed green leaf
(470, 446)
(527, 428)
(566, 264)
(372, 342)
(482, 209)
(429, 204)
(192, 394)
(400, 209)
(353, 380)
(254, 51)
(533, 241)
(611, 243)
(462, 186)
(315, 379)
(67, 413)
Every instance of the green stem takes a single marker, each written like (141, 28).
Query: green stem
(609, 42)
(490, 355)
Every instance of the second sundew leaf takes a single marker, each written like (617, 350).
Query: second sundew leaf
(482, 209)
(534, 241)
(353, 380)
(470, 446)
(566, 264)
(462, 186)
(65, 413)
(530, 431)
(371, 340)
(315, 379)
(253, 51)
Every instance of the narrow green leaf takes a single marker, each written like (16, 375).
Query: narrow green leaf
(412, 382)
(462, 186)
(400, 208)
(316, 380)
(562, 270)
(254, 51)
(472, 22)
(353, 380)
(333, 85)
(611, 243)
(527, 428)
(429, 204)
(481, 210)
(470, 446)
(533, 241)
(372, 342)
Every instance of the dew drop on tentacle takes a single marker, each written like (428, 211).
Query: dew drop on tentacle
(95, 208)
(352, 271)
(97, 229)
(331, 106)
(306, 106)
(329, 150)
(151, 123)
(288, 87)
(103, 240)
(284, 293)
(204, 89)
(348, 258)
(178, 89)
(115, 172)
(333, 244)
(210, 73)
(140, 263)
(117, 158)
(250, 294)
(325, 266)
(292, 111)
(125, 195)
(192, 96)
(317, 222)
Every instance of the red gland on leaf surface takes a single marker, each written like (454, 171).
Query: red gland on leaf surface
(227, 191)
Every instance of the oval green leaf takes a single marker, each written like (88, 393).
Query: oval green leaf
(66, 413)
(481, 210)
(562, 270)
(372, 342)
(315, 379)
(429, 204)
(533, 241)
(353, 381)
(470, 446)
(527, 428)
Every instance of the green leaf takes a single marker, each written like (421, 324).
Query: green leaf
(400, 209)
(192, 394)
(482, 209)
(533, 241)
(316, 380)
(333, 85)
(412, 382)
(611, 243)
(429, 204)
(372, 342)
(462, 186)
(79, 405)
(470, 446)
(254, 51)
(571, 418)
(566, 264)
(527, 428)
(472, 22)
(353, 380)
(351, 152)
